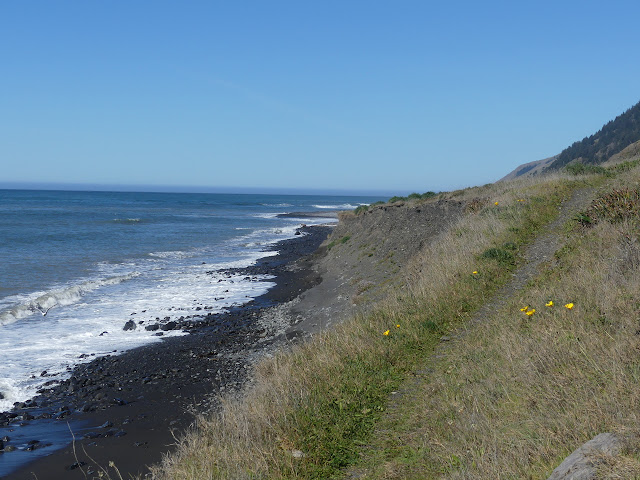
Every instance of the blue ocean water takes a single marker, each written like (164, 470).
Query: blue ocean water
(89, 260)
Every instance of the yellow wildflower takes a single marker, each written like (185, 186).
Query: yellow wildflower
(495, 203)
(386, 333)
(569, 306)
(397, 326)
(475, 272)
(530, 312)
(524, 309)
(549, 303)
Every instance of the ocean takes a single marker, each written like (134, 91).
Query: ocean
(76, 266)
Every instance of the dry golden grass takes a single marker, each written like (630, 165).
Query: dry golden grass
(350, 370)
(515, 395)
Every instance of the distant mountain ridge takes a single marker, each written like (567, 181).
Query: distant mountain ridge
(531, 168)
(614, 137)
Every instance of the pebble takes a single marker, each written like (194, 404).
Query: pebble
(73, 466)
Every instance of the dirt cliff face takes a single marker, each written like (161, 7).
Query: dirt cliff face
(365, 252)
(370, 248)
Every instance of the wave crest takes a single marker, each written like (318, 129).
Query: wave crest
(344, 206)
(58, 297)
(127, 220)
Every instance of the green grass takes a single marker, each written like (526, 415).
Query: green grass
(327, 397)
(341, 411)
(519, 393)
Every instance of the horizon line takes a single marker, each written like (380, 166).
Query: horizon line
(238, 190)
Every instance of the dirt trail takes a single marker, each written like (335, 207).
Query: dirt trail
(535, 255)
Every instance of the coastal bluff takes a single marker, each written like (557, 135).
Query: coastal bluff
(364, 255)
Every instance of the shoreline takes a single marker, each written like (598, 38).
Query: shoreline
(118, 407)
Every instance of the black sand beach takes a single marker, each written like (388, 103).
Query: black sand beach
(127, 408)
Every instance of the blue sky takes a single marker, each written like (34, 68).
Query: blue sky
(333, 95)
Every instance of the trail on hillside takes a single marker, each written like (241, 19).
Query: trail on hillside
(540, 251)
(535, 255)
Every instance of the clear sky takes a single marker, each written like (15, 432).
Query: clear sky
(397, 96)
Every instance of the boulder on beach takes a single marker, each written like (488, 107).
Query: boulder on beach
(130, 325)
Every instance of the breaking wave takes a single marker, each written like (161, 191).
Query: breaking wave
(344, 206)
(127, 220)
(44, 302)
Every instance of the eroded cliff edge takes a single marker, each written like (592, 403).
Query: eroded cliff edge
(360, 261)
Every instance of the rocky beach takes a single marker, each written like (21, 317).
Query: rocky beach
(128, 408)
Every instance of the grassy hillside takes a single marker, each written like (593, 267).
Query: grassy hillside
(448, 377)
(611, 139)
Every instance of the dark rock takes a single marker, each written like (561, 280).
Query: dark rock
(130, 325)
(33, 445)
(152, 328)
(88, 407)
(169, 326)
(106, 425)
(75, 465)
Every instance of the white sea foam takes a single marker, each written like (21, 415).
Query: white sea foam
(43, 302)
(171, 254)
(344, 206)
(11, 393)
(276, 205)
(79, 332)
(127, 220)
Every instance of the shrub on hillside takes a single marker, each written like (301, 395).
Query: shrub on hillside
(614, 207)
(361, 209)
(502, 256)
(582, 169)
